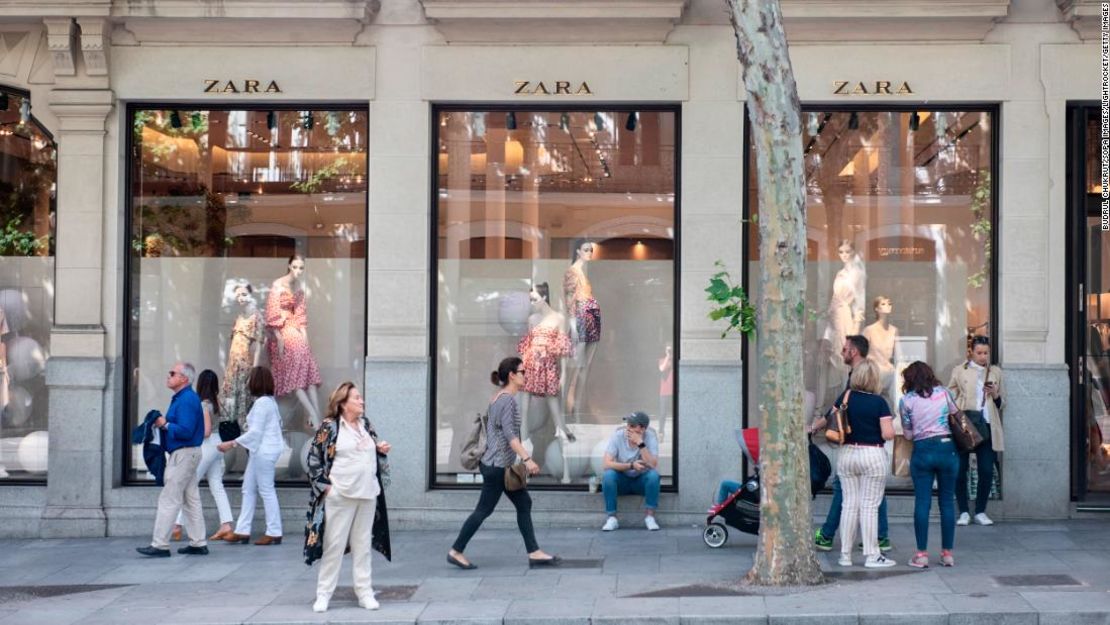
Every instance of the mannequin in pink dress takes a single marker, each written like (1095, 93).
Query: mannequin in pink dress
(294, 366)
(542, 351)
(585, 328)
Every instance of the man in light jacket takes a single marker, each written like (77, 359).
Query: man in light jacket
(182, 431)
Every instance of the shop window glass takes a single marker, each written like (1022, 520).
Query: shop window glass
(899, 210)
(222, 200)
(27, 184)
(555, 241)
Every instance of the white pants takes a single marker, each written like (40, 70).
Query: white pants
(212, 467)
(180, 494)
(862, 472)
(258, 481)
(347, 520)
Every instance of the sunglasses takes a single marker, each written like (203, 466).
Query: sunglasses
(173, 373)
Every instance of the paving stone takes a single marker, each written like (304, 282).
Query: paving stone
(550, 612)
(722, 610)
(390, 613)
(483, 612)
(825, 607)
(446, 589)
(997, 608)
(1070, 608)
(639, 611)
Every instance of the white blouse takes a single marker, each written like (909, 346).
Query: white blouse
(263, 434)
(354, 471)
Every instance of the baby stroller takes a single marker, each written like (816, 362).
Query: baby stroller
(741, 509)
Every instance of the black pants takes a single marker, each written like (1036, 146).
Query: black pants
(493, 484)
(984, 461)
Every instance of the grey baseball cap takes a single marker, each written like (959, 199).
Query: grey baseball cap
(638, 418)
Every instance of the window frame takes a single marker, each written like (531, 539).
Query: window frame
(436, 108)
(128, 257)
(992, 109)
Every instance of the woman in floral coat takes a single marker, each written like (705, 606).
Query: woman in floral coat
(345, 468)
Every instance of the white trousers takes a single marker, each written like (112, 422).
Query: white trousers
(258, 481)
(347, 520)
(862, 472)
(211, 467)
(180, 494)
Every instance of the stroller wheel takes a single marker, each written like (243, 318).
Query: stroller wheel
(715, 535)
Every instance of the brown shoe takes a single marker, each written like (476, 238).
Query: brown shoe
(176, 533)
(221, 535)
(238, 538)
(268, 540)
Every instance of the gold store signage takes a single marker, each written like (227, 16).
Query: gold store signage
(558, 87)
(215, 85)
(877, 87)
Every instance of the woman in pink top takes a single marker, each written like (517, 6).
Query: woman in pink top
(925, 407)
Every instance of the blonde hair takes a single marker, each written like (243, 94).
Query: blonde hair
(865, 377)
(338, 399)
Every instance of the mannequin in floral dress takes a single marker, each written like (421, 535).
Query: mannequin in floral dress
(542, 350)
(245, 352)
(585, 327)
(291, 359)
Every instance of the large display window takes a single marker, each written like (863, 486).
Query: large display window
(247, 231)
(555, 240)
(28, 174)
(900, 229)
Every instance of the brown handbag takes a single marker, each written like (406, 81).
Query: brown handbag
(900, 460)
(839, 428)
(516, 477)
(967, 437)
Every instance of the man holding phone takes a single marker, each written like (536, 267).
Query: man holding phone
(631, 460)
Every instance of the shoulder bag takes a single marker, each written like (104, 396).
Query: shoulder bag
(839, 428)
(516, 477)
(967, 437)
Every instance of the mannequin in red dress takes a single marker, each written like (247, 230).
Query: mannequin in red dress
(294, 367)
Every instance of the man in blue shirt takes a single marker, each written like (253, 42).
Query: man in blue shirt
(631, 462)
(182, 431)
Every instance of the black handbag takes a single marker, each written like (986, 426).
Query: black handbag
(229, 430)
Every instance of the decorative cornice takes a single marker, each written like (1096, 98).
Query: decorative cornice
(55, 8)
(59, 40)
(891, 20)
(554, 21)
(361, 10)
(1084, 16)
(94, 44)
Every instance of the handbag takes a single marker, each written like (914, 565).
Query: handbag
(839, 427)
(516, 477)
(900, 460)
(965, 434)
(975, 417)
(229, 430)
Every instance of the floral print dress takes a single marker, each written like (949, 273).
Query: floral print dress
(541, 350)
(235, 399)
(286, 317)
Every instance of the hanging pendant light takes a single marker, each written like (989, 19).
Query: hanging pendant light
(915, 121)
(630, 124)
(510, 121)
(853, 121)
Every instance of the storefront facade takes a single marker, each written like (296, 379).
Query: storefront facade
(414, 190)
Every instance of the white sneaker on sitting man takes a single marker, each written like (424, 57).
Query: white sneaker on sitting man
(611, 524)
(650, 523)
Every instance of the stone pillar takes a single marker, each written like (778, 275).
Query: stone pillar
(77, 372)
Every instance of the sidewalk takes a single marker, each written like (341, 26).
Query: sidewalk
(1029, 573)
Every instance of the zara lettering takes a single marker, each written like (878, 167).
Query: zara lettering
(558, 87)
(212, 85)
(878, 87)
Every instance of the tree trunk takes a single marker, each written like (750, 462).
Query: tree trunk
(786, 554)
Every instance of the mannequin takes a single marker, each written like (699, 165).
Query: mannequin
(245, 352)
(585, 329)
(542, 349)
(845, 314)
(885, 352)
(291, 359)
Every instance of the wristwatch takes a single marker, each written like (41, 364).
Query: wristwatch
(642, 445)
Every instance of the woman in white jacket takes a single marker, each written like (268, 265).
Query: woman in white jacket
(264, 442)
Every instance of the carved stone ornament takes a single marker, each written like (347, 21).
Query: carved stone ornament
(94, 44)
(1084, 16)
(59, 40)
(891, 20)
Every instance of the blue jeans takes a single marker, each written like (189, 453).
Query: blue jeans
(934, 459)
(726, 488)
(615, 484)
(984, 461)
(832, 522)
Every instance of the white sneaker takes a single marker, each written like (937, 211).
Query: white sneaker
(845, 560)
(649, 522)
(321, 604)
(964, 519)
(983, 519)
(879, 562)
(370, 603)
(610, 524)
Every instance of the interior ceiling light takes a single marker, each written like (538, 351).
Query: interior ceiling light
(308, 120)
(599, 122)
(564, 122)
(633, 117)
(853, 121)
(25, 110)
(271, 120)
(510, 121)
(915, 121)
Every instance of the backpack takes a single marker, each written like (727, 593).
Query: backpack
(475, 446)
